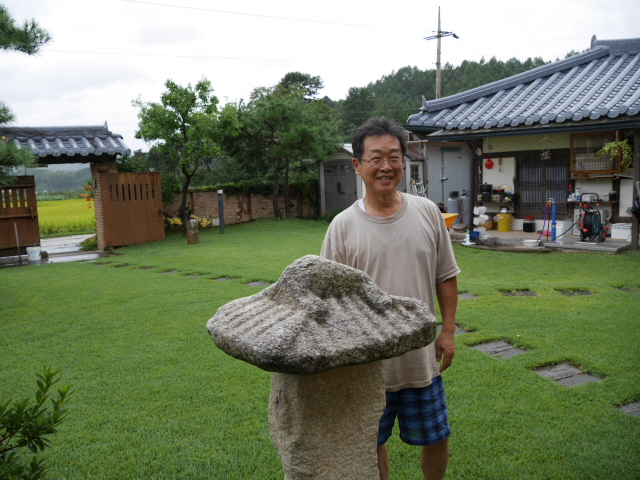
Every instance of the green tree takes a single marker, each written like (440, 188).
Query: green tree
(280, 126)
(25, 428)
(356, 109)
(294, 80)
(187, 127)
(26, 38)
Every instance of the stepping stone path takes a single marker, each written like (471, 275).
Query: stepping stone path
(257, 284)
(499, 349)
(632, 408)
(458, 331)
(466, 296)
(566, 375)
(571, 293)
(222, 279)
(519, 293)
(168, 272)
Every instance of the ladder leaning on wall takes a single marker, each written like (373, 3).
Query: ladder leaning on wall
(417, 188)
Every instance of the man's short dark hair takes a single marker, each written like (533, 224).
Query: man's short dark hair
(374, 127)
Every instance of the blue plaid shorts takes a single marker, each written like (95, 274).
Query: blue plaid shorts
(422, 415)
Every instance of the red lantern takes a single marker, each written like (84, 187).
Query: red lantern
(488, 164)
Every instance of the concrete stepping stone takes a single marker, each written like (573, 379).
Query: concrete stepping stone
(466, 296)
(194, 276)
(458, 331)
(168, 272)
(519, 293)
(122, 265)
(566, 375)
(556, 372)
(567, 293)
(103, 263)
(624, 289)
(632, 408)
(499, 349)
(525, 293)
(257, 284)
(222, 279)
(578, 380)
(144, 268)
(571, 293)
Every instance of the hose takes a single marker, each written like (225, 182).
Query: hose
(544, 221)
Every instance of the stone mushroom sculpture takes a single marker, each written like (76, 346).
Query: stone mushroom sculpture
(323, 328)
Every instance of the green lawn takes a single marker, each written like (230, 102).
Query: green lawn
(157, 400)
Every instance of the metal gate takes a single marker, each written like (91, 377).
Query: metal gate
(18, 207)
(132, 208)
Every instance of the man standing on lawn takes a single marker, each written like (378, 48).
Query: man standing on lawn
(402, 243)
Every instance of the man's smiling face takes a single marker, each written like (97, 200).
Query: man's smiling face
(386, 178)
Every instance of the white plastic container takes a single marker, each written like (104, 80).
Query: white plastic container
(621, 231)
(33, 253)
(530, 243)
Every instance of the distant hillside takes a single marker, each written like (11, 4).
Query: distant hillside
(399, 94)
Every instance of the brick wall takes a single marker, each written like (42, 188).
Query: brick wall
(96, 170)
(237, 208)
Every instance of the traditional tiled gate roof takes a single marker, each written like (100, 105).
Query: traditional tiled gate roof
(67, 141)
(601, 83)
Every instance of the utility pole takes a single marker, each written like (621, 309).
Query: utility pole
(439, 35)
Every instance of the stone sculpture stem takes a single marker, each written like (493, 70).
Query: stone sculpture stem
(325, 426)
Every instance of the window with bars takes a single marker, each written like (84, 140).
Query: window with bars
(584, 159)
(542, 179)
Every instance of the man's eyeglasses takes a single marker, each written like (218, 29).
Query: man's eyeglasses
(394, 161)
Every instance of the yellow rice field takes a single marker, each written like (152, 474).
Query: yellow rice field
(70, 217)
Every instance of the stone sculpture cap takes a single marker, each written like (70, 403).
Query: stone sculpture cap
(320, 315)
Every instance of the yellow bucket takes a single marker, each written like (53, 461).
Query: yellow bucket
(504, 222)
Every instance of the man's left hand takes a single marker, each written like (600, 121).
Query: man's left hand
(445, 350)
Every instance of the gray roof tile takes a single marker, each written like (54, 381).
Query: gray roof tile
(603, 81)
(69, 141)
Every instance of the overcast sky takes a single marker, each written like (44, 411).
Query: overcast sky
(105, 53)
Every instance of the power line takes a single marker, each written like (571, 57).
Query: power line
(271, 17)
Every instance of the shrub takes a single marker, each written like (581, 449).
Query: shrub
(25, 425)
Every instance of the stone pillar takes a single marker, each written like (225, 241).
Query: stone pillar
(97, 169)
(193, 238)
(325, 426)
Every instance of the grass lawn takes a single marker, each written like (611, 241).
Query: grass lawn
(65, 217)
(157, 400)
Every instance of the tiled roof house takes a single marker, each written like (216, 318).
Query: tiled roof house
(542, 129)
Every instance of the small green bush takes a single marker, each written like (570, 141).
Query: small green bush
(25, 425)
(329, 216)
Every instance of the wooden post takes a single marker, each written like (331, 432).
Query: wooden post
(221, 210)
(636, 178)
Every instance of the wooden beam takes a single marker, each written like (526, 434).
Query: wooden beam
(636, 178)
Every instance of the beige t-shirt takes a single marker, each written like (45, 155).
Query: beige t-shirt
(406, 254)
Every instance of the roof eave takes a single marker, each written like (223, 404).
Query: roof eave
(460, 135)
